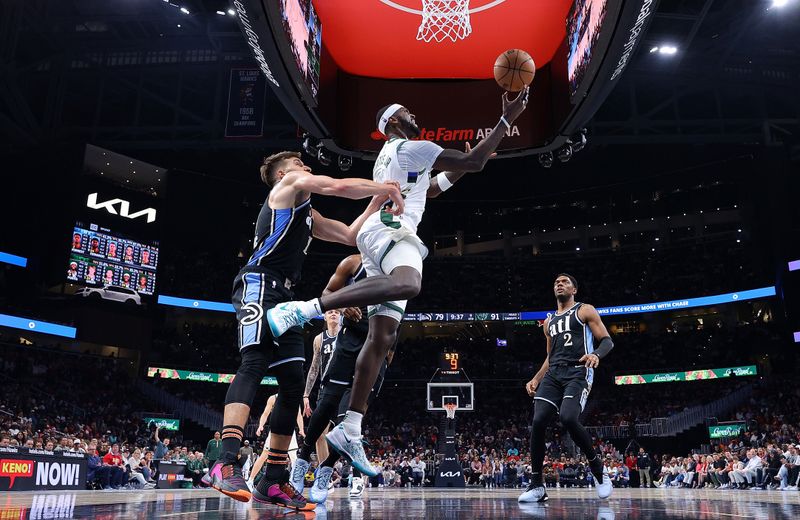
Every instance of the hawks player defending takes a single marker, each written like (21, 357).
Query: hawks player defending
(324, 347)
(391, 252)
(563, 383)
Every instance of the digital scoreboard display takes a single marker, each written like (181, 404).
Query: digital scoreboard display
(584, 21)
(100, 257)
(304, 30)
(450, 361)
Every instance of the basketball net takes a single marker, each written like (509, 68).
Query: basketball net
(451, 410)
(442, 19)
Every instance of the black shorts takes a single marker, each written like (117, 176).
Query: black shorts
(254, 293)
(565, 382)
(343, 364)
(344, 403)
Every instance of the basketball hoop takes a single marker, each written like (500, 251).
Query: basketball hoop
(450, 409)
(443, 19)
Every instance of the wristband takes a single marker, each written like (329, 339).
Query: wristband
(503, 120)
(444, 182)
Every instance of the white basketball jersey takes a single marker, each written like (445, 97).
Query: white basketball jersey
(413, 175)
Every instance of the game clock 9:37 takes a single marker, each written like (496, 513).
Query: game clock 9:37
(450, 361)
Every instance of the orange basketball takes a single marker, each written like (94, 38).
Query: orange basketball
(514, 69)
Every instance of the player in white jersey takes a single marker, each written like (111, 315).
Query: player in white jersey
(391, 252)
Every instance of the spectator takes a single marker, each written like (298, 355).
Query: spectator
(213, 449)
(116, 467)
(162, 446)
(194, 469)
(643, 464)
(418, 471)
(135, 467)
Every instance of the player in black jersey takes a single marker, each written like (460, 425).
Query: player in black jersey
(324, 347)
(285, 227)
(563, 383)
(336, 383)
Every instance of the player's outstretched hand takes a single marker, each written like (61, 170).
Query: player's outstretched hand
(589, 360)
(530, 387)
(353, 313)
(258, 431)
(306, 407)
(396, 197)
(513, 108)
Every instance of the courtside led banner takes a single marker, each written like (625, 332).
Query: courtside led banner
(689, 375)
(720, 431)
(42, 327)
(639, 308)
(208, 377)
(8, 258)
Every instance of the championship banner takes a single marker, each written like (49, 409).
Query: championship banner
(246, 94)
(23, 469)
(208, 377)
(172, 425)
(689, 375)
(726, 430)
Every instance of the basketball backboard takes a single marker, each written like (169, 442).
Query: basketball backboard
(440, 394)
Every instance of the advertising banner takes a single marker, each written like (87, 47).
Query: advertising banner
(164, 423)
(170, 475)
(689, 375)
(208, 377)
(23, 469)
(720, 431)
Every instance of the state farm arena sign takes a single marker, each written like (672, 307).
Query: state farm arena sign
(22, 469)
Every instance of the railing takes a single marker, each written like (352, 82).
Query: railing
(675, 424)
(185, 409)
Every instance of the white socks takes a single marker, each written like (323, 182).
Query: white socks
(311, 308)
(352, 423)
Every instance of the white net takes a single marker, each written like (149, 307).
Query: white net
(443, 19)
(451, 410)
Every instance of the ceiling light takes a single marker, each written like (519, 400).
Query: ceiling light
(221, 13)
(184, 10)
(779, 3)
(667, 49)
(231, 12)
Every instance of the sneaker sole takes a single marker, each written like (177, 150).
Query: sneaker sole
(257, 497)
(352, 462)
(241, 495)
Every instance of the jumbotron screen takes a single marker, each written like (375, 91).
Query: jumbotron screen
(304, 30)
(584, 21)
(100, 257)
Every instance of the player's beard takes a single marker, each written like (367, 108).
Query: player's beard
(563, 298)
(411, 129)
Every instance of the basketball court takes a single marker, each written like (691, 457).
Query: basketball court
(412, 503)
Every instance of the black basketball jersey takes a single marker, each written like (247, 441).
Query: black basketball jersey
(282, 240)
(326, 350)
(362, 326)
(570, 338)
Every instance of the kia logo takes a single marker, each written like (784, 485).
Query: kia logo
(124, 208)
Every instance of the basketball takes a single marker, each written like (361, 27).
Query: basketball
(514, 69)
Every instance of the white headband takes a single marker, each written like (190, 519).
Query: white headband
(389, 112)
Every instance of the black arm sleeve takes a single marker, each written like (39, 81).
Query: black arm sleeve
(604, 347)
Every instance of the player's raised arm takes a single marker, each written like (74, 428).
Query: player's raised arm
(531, 385)
(334, 231)
(589, 315)
(344, 271)
(346, 188)
(476, 159)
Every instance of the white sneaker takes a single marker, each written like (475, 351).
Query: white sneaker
(356, 487)
(319, 491)
(351, 449)
(604, 488)
(298, 477)
(791, 488)
(533, 494)
(283, 317)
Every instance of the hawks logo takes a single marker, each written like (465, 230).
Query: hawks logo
(254, 313)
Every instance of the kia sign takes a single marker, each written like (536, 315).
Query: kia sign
(120, 207)
(23, 469)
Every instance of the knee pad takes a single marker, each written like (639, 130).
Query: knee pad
(248, 377)
(291, 383)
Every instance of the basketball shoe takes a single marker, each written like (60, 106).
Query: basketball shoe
(227, 479)
(351, 449)
(319, 491)
(281, 494)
